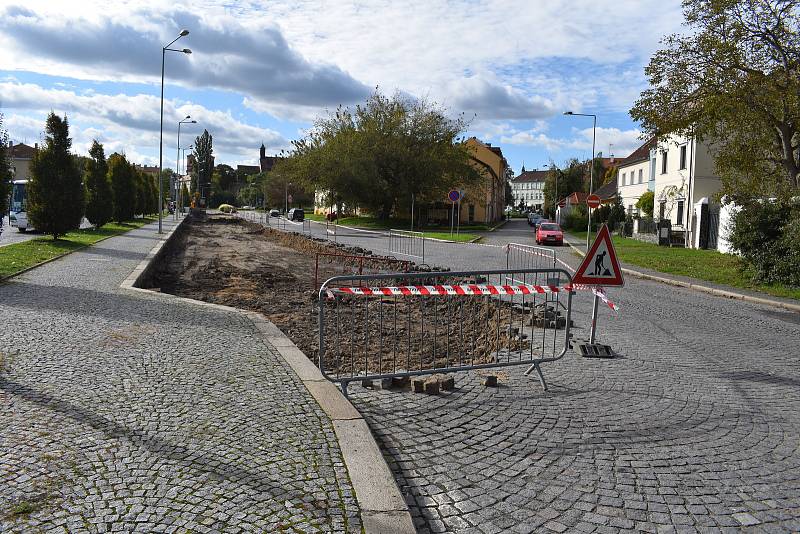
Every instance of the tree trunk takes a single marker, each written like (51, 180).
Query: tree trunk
(789, 161)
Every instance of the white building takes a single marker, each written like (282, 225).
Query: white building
(684, 175)
(528, 188)
(636, 175)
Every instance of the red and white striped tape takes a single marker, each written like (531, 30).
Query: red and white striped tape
(598, 291)
(448, 290)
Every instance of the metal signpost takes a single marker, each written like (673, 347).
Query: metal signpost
(593, 201)
(453, 196)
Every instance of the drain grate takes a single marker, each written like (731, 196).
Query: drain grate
(596, 350)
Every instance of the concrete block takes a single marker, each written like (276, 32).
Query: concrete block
(431, 386)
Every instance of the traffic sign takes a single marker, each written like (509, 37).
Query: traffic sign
(600, 267)
(454, 195)
(593, 201)
(289, 198)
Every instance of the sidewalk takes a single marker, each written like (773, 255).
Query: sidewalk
(119, 412)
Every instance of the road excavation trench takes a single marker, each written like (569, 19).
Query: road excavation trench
(224, 260)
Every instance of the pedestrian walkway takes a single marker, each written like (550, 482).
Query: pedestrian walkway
(121, 411)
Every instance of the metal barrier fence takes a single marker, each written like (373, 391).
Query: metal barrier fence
(331, 230)
(520, 256)
(348, 264)
(407, 324)
(407, 243)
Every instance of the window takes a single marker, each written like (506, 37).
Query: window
(683, 157)
(623, 178)
(662, 207)
(680, 212)
(664, 162)
(640, 175)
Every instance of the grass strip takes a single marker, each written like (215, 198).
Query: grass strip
(20, 256)
(708, 265)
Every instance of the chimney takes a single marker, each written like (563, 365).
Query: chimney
(36, 146)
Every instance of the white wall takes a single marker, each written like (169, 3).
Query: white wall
(726, 214)
(629, 192)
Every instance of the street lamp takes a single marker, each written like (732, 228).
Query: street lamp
(286, 206)
(178, 155)
(161, 135)
(591, 169)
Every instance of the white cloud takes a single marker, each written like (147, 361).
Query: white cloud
(133, 121)
(623, 141)
(253, 60)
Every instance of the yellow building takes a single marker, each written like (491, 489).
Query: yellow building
(483, 202)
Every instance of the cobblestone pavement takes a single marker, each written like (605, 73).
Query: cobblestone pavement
(695, 428)
(125, 412)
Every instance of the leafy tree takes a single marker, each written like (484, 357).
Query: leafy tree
(646, 203)
(5, 172)
(204, 156)
(56, 200)
(224, 177)
(99, 199)
(509, 194)
(123, 187)
(185, 195)
(152, 190)
(734, 81)
(382, 154)
(570, 179)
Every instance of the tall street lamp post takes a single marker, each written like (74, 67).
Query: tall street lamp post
(286, 213)
(591, 170)
(161, 135)
(178, 160)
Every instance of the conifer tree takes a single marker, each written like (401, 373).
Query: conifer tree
(123, 187)
(99, 200)
(56, 195)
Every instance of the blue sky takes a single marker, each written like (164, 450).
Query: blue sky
(262, 71)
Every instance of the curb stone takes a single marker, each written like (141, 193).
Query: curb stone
(704, 289)
(383, 508)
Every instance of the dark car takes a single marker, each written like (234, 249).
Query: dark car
(296, 214)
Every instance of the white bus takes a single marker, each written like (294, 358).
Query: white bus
(17, 216)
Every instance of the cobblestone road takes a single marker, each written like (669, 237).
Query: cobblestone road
(122, 412)
(695, 428)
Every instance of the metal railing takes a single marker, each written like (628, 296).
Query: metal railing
(519, 256)
(349, 264)
(407, 243)
(407, 324)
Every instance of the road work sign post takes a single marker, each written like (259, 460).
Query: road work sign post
(599, 268)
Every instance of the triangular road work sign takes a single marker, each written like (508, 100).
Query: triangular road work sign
(600, 266)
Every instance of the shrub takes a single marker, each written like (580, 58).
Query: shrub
(766, 235)
(226, 208)
(646, 203)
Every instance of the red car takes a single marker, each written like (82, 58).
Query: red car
(549, 232)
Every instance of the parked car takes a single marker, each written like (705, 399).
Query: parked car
(296, 214)
(549, 233)
(534, 218)
(274, 213)
(542, 220)
(227, 208)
